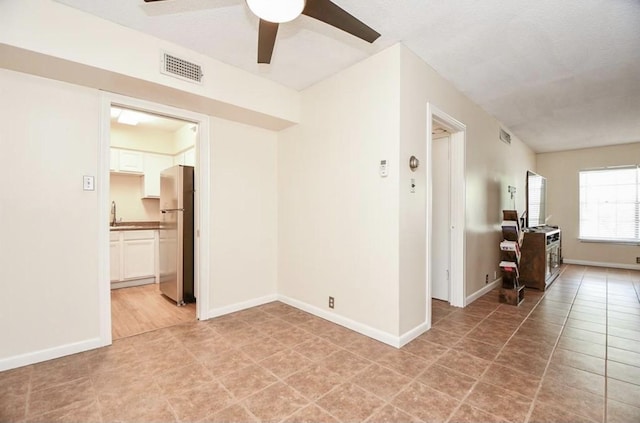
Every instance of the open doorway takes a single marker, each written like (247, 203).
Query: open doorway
(151, 231)
(143, 241)
(445, 213)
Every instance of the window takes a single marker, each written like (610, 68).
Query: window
(609, 204)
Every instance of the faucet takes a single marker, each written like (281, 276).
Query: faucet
(113, 213)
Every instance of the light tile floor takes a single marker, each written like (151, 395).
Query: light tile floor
(570, 355)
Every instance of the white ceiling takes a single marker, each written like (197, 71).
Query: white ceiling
(559, 74)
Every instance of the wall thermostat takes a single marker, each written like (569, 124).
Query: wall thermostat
(384, 171)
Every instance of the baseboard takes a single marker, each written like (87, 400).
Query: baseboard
(133, 282)
(366, 330)
(232, 308)
(602, 264)
(48, 354)
(479, 293)
(413, 334)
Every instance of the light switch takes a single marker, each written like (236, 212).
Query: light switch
(88, 183)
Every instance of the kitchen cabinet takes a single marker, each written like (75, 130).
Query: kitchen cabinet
(115, 256)
(190, 157)
(114, 160)
(186, 158)
(138, 251)
(127, 161)
(154, 164)
(133, 257)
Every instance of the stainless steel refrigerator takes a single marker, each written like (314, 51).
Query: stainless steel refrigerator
(176, 234)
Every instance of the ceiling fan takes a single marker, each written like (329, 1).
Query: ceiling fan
(274, 12)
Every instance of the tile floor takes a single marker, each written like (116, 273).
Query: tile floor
(572, 355)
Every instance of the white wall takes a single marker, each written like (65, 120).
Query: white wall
(244, 215)
(338, 219)
(561, 170)
(48, 263)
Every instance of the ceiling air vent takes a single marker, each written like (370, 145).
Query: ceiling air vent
(504, 136)
(180, 68)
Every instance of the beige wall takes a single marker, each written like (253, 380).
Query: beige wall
(346, 232)
(49, 246)
(244, 216)
(48, 263)
(126, 191)
(143, 139)
(338, 219)
(561, 170)
(114, 58)
(490, 166)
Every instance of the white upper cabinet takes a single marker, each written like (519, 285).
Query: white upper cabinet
(153, 165)
(190, 157)
(130, 161)
(186, 158)
(114, 160)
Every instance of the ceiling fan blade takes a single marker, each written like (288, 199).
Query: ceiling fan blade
(266, 40)
(329, 12)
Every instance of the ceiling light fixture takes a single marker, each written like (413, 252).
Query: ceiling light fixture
(276, 11)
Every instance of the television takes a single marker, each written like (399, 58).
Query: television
(536, 200)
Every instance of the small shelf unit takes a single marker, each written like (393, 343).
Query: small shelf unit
(511, 291)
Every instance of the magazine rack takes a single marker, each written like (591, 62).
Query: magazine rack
(511, 292)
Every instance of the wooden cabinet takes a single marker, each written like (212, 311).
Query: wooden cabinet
(541, 256)
(154, 164)
(133, 257)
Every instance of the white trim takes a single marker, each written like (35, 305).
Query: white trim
(49, 354)
(366, 330)
(104, 279)
(602, 264)
(457, 206)
(202, 208)
(413, 334)
(232, 308)
(479, 293)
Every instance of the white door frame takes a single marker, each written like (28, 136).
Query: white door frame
(201, 210)
(457, 206)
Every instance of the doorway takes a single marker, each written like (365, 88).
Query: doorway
(139, 142)
(143, 148)
(445, 214)
(441, 221)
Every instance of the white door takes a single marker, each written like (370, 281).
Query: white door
(441, 238)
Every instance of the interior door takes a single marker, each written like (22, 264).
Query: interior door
(441, 225)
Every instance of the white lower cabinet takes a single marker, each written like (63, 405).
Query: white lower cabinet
(115, 256)
(133, 255)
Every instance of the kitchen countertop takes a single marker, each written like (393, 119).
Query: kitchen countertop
(134, 226)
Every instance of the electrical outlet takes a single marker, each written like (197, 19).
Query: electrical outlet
(638, 260)
(486, 278)
(331, 302)
(495, 275)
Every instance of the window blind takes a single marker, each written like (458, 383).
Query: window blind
(609, 204)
